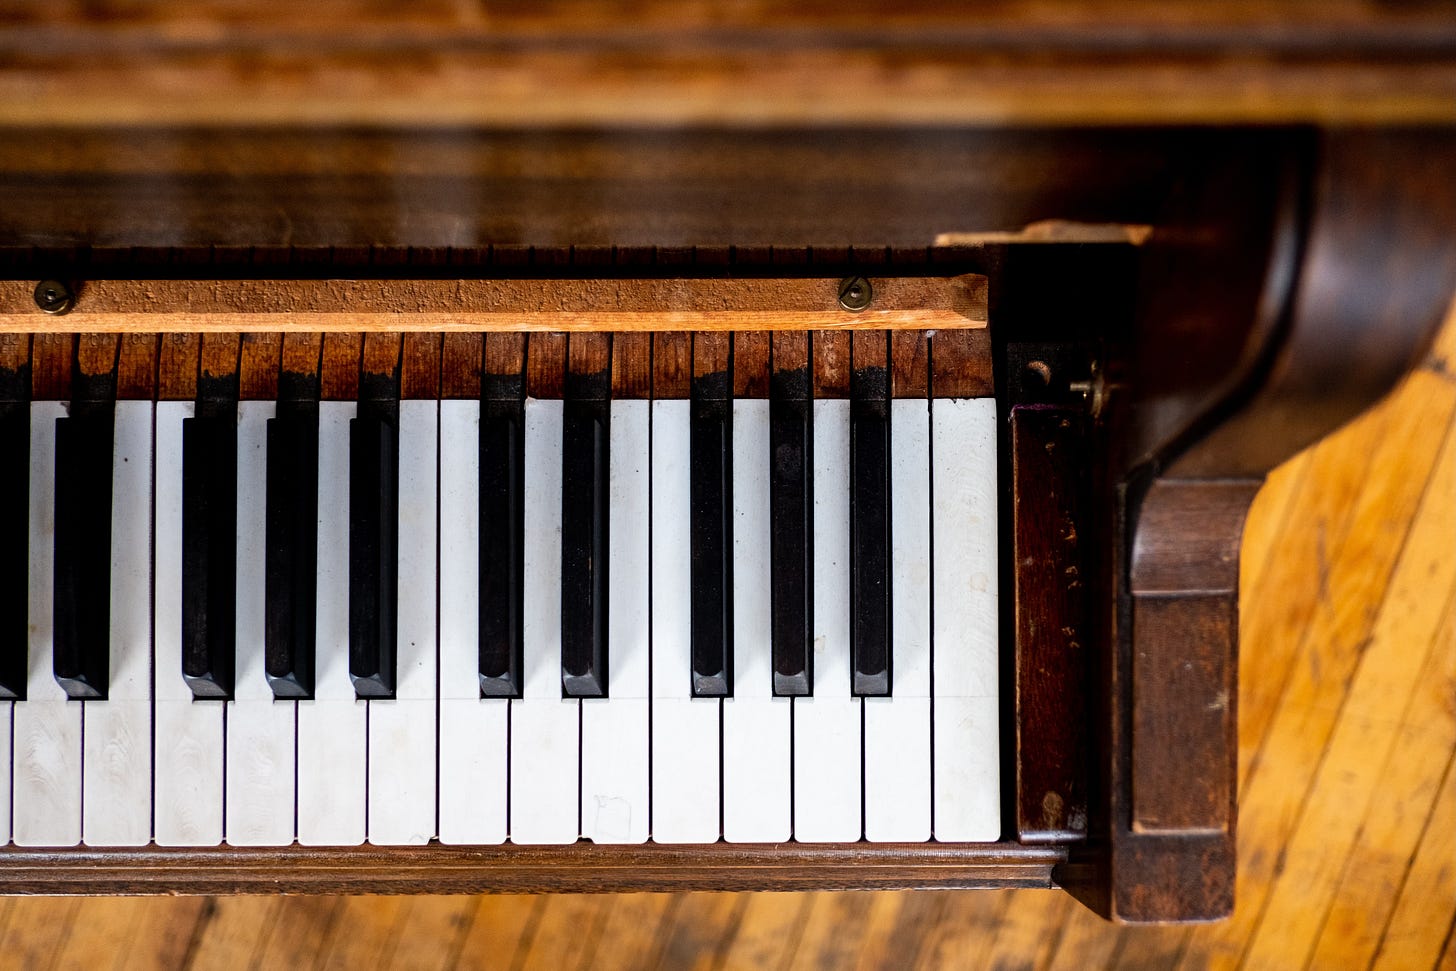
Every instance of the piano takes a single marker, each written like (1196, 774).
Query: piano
(629, 486)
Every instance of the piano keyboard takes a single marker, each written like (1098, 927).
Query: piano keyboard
(395, 621)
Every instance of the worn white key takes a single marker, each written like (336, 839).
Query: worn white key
(614, 730)
(402, 728)
(757, 746)
(260, 730)
(967, 747)
(897, 728)
(685, 737)
(189, 736)
(46, 778)
(7, 724)
(827, 764)
(117, 773)
(545, 728)
(473, 730)
(333, 727)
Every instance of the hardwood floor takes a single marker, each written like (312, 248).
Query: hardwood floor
(1347, 828)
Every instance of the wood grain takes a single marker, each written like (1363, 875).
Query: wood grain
(200, 305)
(1052, 642)
(674, 65)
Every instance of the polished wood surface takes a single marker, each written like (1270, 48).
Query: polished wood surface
(659, 62)
(1347, 794)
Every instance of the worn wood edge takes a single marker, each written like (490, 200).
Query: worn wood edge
(777, 88)
(580, 867)
(466, 322)
(753, 304)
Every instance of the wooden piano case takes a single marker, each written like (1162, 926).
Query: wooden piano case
(1171, 311)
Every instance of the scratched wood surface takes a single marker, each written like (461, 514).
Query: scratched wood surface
(1347, 831)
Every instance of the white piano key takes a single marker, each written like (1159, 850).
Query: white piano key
(402, 729)
(897, 728)
(473, 730)
(685, 730)
(545, 728)
(757, 746)
(260, 730)
(189, 741)
(46, 777)
(117, 767)
(827, 759)
(614, 730)
(7, 724)
(333, 727)
(967, 748)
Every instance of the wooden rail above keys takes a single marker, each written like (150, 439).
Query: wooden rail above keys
(628, 305)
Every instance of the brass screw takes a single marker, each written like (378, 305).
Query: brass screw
(54, 297)
(855, 293)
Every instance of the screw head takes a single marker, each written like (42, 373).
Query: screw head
(855, 293)
(54, 297)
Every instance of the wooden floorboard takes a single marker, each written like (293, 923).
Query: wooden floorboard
(1347, 829)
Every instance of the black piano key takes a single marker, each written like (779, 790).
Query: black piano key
(711, 534)
(502, 545)
(14, 570)
(791, 519)
(584, 467)
(373, 547)
(869, 531)
(82, 591)
(209, 553)
(292, 549)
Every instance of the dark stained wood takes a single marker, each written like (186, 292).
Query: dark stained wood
(219, 358)
(136, 366)
(1182, 714)
(580, 867)
(672, 364)
(262, 359)
(15, 372)
(790, 352)
(631, 365)
(382, 355)
(910, 364)
(545, 364)
(96, 357)
(869, 349)
(302, 354)
(956, 370)
(589, 354)
(505, 355)
(1053, 647)
(750, 364)
(712, 354)
(1383, 206)
(420, 366)
(1184, 586)
(339, 367)
(662, 194)
(177, 367)
(831, 364)
(461, 357)
(50, 366)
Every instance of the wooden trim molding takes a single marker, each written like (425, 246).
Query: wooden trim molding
(580, 867)
(198, 306)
